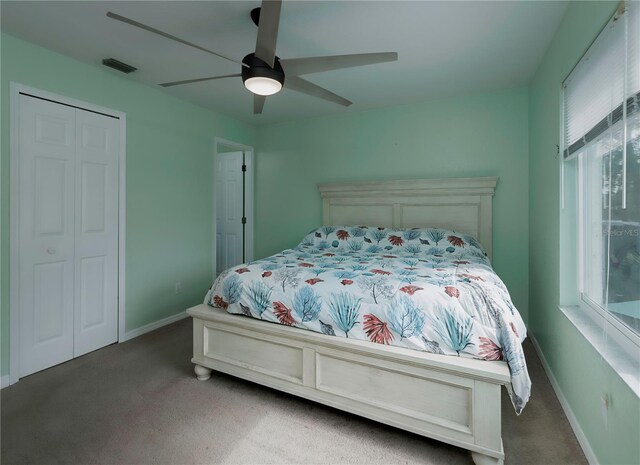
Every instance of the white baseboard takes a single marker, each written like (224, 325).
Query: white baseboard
(153, 326)
(573, 421)
(5, 380)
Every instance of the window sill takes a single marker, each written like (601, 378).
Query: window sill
(622, 356)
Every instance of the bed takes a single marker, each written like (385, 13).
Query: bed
(392, 373)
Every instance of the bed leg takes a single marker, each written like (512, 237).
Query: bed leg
(203, 373)
(481, 459)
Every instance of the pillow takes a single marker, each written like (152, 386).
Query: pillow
(414, 241)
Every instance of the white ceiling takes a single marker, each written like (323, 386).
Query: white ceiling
(444, 47)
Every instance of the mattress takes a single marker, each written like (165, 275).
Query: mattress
(425, 289)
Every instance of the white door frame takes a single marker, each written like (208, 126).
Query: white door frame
(249, 200)
(15, 90)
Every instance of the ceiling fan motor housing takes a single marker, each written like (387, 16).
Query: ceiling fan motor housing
(258, 68)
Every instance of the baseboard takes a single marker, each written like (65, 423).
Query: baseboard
(153, 326)
(573, 421)
(5, 380)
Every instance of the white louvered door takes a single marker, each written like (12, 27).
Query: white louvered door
(68, 224)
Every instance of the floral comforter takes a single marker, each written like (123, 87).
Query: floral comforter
(424, 289)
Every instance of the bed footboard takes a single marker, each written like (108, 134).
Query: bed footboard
(451, 399)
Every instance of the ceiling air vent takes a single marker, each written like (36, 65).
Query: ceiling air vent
(120, 66)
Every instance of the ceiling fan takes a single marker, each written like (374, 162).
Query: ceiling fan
(263, 73)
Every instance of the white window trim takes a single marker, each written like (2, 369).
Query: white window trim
(617, 350)
(627, 336)
(596, 311)
(618, 345)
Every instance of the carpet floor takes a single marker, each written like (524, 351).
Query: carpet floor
(140, 403)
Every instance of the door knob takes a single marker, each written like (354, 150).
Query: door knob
(51, 250)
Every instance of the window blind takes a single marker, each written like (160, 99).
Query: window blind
(604, 87)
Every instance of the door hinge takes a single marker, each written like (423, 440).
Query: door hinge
(244, 220)
(244, 167)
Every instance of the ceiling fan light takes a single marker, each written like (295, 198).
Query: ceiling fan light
(260, 78)
(263, 85)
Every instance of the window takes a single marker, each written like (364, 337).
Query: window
(601, 170)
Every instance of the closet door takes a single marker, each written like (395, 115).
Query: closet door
(96, 231)
(47, 141)
(68, 232)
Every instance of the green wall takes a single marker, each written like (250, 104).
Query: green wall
(579, 370)
(479, 135)
(510, 134)
(169, 179)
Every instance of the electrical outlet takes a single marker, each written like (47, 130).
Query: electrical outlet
(178, 288)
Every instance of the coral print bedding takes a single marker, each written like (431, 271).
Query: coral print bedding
(425, 289)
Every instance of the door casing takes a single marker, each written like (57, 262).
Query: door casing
(15, 90)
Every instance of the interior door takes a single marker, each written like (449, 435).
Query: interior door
(47, 140)
(229, 210)
(96, 231)
(68, 232)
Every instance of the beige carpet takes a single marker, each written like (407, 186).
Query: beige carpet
(137, 403)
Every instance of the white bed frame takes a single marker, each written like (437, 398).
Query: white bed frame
(451, 399)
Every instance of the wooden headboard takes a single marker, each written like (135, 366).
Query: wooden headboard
(462, 204)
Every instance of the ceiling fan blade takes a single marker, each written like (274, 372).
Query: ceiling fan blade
(132, 22)
(300, 85)
(189, 81)
(300, 66)
(258, 103)
(268, 30)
